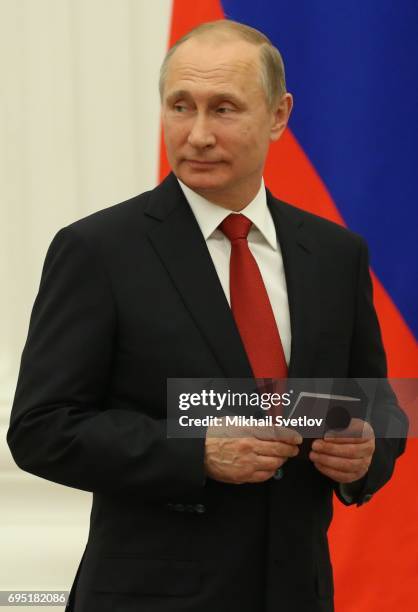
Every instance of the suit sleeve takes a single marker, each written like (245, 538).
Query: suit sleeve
(60, 428)
(368, 360)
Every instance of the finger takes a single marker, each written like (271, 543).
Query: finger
(288, 435)
(278, 449)
(261, 476)
(337, 463)
(342, 477)
(269, 449)
(252, 446)
(343, 439)
(267, 463)
(347, 439)
(355, 451)
(261, 433)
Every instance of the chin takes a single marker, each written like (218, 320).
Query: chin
(198, 181)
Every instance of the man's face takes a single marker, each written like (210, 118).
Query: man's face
(217, 125)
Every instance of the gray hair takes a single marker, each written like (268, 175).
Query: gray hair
(272, 74)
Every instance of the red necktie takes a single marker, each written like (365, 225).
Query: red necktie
(250, 304)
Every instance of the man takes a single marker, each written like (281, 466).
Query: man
(172, 284)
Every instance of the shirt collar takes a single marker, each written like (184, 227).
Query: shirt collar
(209, 215)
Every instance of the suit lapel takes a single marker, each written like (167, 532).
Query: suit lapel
(178, 241)
(302, 284)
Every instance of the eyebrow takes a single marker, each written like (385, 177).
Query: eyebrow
(218, 97)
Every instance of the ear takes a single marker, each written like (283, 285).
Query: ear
(281, 116)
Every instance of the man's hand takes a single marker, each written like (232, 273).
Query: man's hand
(252, 455)
(345, 456)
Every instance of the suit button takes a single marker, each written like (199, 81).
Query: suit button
(178, 507)
(189, 508)
(278, 475)
(200, 508)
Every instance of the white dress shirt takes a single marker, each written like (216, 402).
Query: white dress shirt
(263, 244)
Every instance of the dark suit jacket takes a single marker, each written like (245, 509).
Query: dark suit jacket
(129, 297)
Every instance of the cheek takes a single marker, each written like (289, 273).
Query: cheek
(249, 146)
(239, 143)
(251, 137)
(259, 145)
(174, 133)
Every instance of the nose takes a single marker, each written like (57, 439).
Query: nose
(201, 135)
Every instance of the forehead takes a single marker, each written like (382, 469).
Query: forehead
(212, 63)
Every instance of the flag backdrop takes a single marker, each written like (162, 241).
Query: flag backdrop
(351, 154)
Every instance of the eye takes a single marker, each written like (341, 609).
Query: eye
(179, 108)
(224, 110)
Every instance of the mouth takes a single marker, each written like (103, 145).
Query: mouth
(196, 163)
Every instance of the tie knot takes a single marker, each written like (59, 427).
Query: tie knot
(235, 227)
